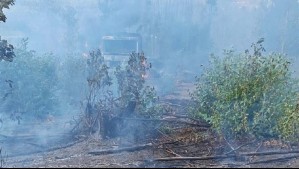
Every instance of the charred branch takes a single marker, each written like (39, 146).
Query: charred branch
(169, 121)
(227, 156)
(119, 150)
(280, 159)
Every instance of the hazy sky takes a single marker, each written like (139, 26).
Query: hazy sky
(181, 27)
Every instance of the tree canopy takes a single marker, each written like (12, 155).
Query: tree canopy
(4, 4)
(6, 50)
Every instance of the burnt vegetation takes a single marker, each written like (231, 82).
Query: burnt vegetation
(117, 96)
(242, 111)
(243, 104)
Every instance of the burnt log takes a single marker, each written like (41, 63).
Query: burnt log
(119, 150)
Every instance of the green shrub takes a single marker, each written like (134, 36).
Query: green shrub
(32, 86)
(241, 94)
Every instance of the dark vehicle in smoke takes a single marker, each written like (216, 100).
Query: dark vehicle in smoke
(117, 48)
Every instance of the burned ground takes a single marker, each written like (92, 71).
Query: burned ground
(180, 142)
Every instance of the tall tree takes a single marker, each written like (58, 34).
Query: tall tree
(4, 4)
(6, 50)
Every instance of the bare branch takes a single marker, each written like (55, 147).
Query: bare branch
(119, 150)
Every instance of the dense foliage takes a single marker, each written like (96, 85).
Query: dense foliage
(6, 51)
(248, 93)
(4, 4)
(32, 85)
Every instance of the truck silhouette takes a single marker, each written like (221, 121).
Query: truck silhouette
(116, 49)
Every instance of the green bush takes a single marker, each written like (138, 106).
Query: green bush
(32, 85)
(241, 94)
(71, 73)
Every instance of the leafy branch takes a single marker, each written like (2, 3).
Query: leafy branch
(248, 94)
(5, 4)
